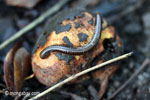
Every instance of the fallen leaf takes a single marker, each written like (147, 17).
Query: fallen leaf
(22, 61)
(85, 3)
(93, 2)
(9, 69)
(22, 3)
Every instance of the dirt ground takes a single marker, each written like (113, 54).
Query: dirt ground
(131, 19)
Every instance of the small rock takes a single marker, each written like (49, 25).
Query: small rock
(143, 79)
(116, 84)
(131, 65)
(125, 71)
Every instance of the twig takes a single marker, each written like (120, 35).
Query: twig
(145, 63)
(30, 76)
(81, 73)
(37, 21)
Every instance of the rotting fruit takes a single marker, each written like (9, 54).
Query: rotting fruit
(71, 41)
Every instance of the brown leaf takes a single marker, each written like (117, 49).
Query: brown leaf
(9, 69)
(22, 61)
(22, 3)
(93, 2)
(85, 3)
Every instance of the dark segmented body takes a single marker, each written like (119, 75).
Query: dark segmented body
(79, 50)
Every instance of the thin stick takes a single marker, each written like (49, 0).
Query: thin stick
(37, 21)
(145, 63)
(81, 73)
(30, 76)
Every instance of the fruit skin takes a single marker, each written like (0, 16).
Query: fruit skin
(74, 28)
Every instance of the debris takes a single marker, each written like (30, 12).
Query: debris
(9, 69)
(22, 3)
(16, 67)
(22, 62)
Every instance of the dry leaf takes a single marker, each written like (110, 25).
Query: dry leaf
(16, 67)
(22, 3)
(85, 3)
(9, 69)
(22, 61)
(93, 2)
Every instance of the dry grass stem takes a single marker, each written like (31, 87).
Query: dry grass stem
(30, 76)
